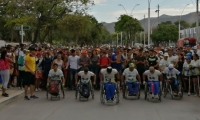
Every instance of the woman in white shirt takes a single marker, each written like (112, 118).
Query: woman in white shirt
(195, 71)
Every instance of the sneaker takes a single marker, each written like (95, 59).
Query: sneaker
(26, 98)
(34, 97)
(152, 96)
(5, 95)
(196, 95)
(39, 89)
(36, 90)
(156, 96)
(188, 93)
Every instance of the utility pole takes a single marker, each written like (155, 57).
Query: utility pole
(149, 23)
(144, 30)
(197, 21)
(158, 11)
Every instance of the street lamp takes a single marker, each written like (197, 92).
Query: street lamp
(123, 7)
(134, 8)
(179, 26)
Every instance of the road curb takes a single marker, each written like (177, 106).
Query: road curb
(11, 98)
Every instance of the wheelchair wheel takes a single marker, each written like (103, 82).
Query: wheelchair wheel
(92, 94)
(63, 92)
(138, 93)
(47, 94)
(145, 91)
(76, 93)
(124, 91)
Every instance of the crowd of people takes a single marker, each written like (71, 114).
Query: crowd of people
(29, 66)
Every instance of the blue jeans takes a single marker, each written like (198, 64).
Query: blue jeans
(95, 70)
(72, 73)
(154, 87)
(110, 90)
(133, 87)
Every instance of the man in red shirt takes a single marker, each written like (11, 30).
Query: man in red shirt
(104, 61)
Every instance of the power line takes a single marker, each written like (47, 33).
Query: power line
(166, 3)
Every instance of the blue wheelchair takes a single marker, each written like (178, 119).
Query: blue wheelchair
(174, 87)
(113, 89)
(151, 88)
(131, 89)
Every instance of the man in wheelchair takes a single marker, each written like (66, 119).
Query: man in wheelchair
(85, 77)
(56, 74)
(131, 76)
(153, 82)
(84, 85)
(107, 78)
(171, 74)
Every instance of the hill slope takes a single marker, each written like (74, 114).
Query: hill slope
(190, 18)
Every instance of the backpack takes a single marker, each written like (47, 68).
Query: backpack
(21, 61)
(3, 65)
(85, 91)
(54, 87)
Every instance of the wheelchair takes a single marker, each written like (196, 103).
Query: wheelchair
(103, 94)
(125, 91)
(54, 89)
(148, 94)
(79, 87)
(168, 89)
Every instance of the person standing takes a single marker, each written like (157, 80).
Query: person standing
(73, 61)
(4, 71)
(140, 63)
(30, 71)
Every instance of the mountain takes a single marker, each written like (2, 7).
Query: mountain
(190, 18)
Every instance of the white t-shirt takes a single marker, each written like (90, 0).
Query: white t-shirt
(164, 63)
(196, 63)
(154, 76)
(55, 75)
(171, 73)
(171, 59)
(85, 77)
(73, 62)
(130, 76)
(107, 77)
(186, 68)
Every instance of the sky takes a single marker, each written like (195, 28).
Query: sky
(109, 10)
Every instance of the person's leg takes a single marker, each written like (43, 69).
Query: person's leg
(26, 90)
(135, 87)
(107, 91)
(5, 74)
(156, 88)
(32, 84)
(71, 78)
(130, 88)
(112, 90)
(19, 78)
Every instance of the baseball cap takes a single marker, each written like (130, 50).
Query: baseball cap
(166, 55)
(160, 52)
(188, 58)
(131, 65)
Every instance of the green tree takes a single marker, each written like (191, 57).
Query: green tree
(183, 24)
(194, 24)
(164, 33)
(129, 25)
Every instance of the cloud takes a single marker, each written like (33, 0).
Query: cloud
(99, 1)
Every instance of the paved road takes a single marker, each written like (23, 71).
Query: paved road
(70, 109)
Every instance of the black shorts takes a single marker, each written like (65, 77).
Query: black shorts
(29, 78)
(194, 76)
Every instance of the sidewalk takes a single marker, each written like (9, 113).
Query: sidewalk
(13, 94)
